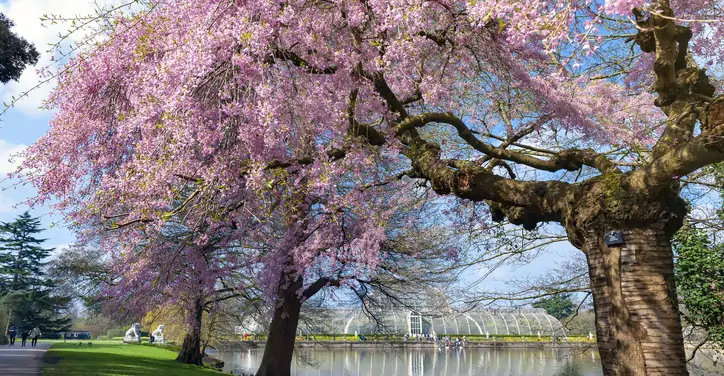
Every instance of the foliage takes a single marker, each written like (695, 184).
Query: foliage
(582, 323)
(30, 298)
(15, 52)
(22, 259)
(80, 270)
(41, 308)
(717, 172)
(281, 139)
(111, 358)
(116, 333)
(98, 324)
(174, 320)
(217, 324)
(700, 281)
(559, 306)
(4, 323)
(283, 127)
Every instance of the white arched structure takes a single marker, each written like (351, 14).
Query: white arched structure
(507, 330)
(347, 321)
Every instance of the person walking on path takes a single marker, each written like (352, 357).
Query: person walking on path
(12, 332)
(34, 335)
(23, 337)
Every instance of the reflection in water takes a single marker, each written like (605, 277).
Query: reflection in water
(428, 362)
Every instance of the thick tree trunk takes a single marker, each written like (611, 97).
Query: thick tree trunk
(278, 352)
(191, 348)
(637, 315)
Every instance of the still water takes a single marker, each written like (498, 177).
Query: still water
(428, 362)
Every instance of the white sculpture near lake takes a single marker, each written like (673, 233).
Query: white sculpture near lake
(133, 335)
(158, 336)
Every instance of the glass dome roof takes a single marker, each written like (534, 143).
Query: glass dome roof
(400, 321)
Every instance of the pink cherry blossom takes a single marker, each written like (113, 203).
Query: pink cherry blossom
(232, 121)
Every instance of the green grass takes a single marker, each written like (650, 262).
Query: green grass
(109, 358)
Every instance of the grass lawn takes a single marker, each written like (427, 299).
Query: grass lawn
(109, 358)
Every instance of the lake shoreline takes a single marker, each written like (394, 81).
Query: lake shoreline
(244, 345)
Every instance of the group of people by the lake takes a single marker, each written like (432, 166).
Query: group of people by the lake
(34, 334)
(441, 341)
(448, 341)
(418, 337)
(557, 338)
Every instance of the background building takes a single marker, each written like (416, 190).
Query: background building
(401, 321)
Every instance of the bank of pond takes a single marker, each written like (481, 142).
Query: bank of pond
(77, 358)
(379, 340)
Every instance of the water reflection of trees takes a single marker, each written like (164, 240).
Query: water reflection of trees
(569, 369)
(427, 362)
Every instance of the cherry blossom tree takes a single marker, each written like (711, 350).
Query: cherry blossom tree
(234, 114)
(172, 270)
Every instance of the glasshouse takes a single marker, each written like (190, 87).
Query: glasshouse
(397, 321)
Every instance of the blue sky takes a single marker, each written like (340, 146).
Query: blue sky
(24, 123)
(18, 129)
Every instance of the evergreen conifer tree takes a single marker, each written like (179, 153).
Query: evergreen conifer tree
(27, 295)
(21, 254)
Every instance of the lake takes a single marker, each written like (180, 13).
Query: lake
(427, 362)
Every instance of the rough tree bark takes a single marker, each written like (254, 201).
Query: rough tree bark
(279, 348)
(191, 348)
(637, 317)
(638, 324)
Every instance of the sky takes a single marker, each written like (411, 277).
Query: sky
(26, 122)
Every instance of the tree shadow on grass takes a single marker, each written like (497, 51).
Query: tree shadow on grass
(115, 360)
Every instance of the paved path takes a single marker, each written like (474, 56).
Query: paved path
(17, 360)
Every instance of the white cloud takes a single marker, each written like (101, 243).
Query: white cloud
(27, 14)
(7, 161)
